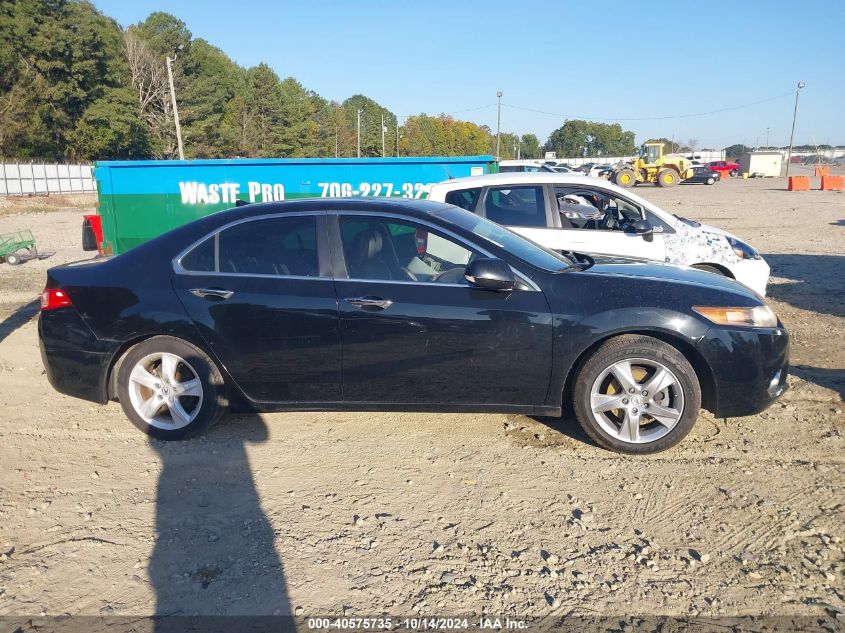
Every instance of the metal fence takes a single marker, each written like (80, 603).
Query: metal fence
(704, 156)
(23, 179)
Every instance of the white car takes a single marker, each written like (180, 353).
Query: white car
(523, 166)
(595, 170)
(588, 215)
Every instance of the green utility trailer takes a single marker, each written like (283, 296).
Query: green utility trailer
(11, 245)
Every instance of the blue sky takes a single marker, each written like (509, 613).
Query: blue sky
(595, 60)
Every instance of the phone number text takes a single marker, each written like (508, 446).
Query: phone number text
(385, 189)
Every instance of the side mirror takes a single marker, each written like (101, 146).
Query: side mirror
(490, 273)
(642, 227)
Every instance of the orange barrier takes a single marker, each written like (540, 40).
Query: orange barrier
(799, 183)
(822, 171)
(832, 183)
(725, 174)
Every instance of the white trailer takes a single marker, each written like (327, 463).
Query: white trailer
(761, 164)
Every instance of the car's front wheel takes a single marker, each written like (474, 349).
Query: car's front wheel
(637, 394)
(169, 388)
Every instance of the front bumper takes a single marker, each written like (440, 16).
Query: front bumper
(753, 273)
(76, 361)
(750, 368)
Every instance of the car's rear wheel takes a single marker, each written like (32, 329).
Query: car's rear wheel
(667, 177)
(637, 394)
(169, 388)
(733, 173)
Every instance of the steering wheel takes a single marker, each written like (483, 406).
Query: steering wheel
(609, 221)
(451, 276)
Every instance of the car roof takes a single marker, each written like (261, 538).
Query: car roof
(524, 178)
(532, 163)
(422, 209)
(419, 208)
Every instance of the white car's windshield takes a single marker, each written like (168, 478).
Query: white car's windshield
(523, 248)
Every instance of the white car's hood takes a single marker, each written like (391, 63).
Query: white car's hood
(714, 229)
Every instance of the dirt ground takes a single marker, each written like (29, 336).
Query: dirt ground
(439, 515)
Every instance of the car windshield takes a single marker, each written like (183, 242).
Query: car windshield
(523, 248)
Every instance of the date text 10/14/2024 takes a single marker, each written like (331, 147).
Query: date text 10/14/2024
(416, 624)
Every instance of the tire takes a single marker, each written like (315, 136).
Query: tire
(13, 259)
(711, 181)
(625, 178)
(597, 386)
(153, 373)
(710, 269)
(667, 177)
(733, 173)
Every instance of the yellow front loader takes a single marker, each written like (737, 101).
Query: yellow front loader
(653, 166)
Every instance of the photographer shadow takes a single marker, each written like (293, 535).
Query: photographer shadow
(215, 551)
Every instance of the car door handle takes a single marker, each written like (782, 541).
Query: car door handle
(375, 303)
(205, 293)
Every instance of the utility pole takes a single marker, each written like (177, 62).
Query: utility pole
(397, 137)
(359, 134)
(498, 120)
(801, 84)
(175, 109)
(767, 138)
(382, 135)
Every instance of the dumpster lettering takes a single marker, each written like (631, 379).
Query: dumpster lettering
(227, 192)
(263, 192)
(200, 193)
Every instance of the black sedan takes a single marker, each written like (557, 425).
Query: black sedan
(396, 306)
(704, 176)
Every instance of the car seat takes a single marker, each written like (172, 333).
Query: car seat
(372, 257)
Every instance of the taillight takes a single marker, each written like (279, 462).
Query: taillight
(53, 298)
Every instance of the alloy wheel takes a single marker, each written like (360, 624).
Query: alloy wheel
(165, 391)
(637, 400)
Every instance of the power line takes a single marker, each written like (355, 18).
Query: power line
(654, 118)
(489, 105)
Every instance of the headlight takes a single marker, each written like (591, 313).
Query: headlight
(743, 250)
(759, 316)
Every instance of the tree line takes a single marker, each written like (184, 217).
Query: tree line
(74, 85)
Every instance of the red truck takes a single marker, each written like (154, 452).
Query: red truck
(723, 166)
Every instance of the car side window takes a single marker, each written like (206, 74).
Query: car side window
(464, 198)
(595, 209)
(276, 246)
(516, 206)
(397, 250)
(200, 258)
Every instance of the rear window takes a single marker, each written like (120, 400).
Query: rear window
(275, 246)
(201, 258)
(464, 198)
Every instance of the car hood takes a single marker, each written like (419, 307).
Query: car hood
(705, 228)
(638, 268)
